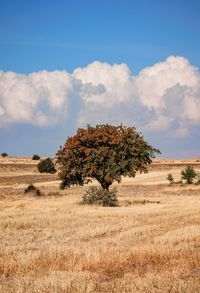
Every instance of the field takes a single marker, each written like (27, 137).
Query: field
(150, 243)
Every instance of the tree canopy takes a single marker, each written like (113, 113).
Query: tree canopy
(104, 152)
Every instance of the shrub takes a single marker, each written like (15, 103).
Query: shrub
(170, 178)
(32, 189)
(4, 155)
(179, 182)
(188, 174)
(46, 166)
(99, 196)
(35, 157)
(197, 178)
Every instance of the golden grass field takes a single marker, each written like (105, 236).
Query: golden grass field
(151, 243)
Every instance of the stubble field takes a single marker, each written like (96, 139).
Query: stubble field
(150, 243)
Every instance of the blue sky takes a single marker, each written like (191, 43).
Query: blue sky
(66, 35)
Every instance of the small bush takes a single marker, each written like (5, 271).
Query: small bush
(35, 157)
(4, 155)
(179, 182)
(188, 174)
(103, 197)
(197, 179)
(46, 166)
(170, 178)
(32, 189)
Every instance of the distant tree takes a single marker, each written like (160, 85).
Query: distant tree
(104, 152)
(4, 155)
(46, 166)
(170, 178)
(188, 174)
(35, 157)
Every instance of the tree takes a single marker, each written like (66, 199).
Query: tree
(189, 174)
(104, 152)
(46, 166)
(35, 157)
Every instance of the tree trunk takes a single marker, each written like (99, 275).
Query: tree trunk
(105, 185)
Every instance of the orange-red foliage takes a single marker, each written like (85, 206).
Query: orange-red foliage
(104, 152)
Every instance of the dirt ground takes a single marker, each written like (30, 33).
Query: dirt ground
(51, 243)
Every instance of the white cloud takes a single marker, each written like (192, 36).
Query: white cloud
(116, 81)
(38, 98)
(153, 82)
(163, 97)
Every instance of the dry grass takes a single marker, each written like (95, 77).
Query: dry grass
(52, 244)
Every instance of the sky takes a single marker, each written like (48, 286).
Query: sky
(64, 64)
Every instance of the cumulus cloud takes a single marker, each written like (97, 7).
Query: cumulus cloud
(153, 82)
(162, 97)
(37, 98)
(116, 80)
